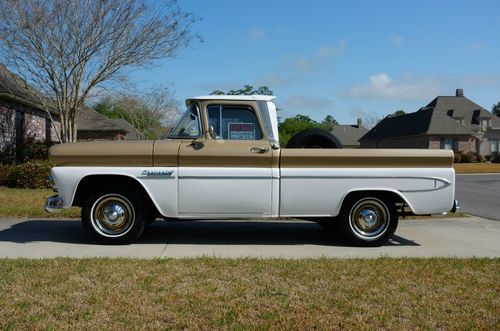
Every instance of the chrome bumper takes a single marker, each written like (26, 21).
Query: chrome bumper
(456, 206)
(54, 204)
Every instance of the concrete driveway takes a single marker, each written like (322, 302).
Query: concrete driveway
(479, 194)
(465, 237)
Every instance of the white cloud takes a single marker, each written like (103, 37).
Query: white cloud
(275, 80)
(381, 86)
(256, 33)
(474, 45)
(300, 102)
(302, 64)
(398, 40)
(321, 56)
(326, 52)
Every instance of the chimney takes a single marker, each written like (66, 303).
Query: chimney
(359, 123)
(459, 93)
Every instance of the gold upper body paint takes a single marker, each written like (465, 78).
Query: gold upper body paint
(209, 153)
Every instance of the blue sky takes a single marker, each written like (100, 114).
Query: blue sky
(345, 58)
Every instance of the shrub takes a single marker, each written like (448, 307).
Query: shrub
(487, 157)
(4, 174)
(469, 157)
(480, 159)
(33, 174)
(8, 154)
(457, 157)
(32, 149)
(495, 157)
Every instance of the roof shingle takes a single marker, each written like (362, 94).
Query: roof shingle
(447, 115)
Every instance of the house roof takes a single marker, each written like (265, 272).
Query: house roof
(90, 120)
(348, 135)
(12, 87)
(440, 117)
(460, 108)
(132, 133)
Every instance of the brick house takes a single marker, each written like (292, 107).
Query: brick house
(447, 122)
(21, 116)
(20, 113)
(95, 126)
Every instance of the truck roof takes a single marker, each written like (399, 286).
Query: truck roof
(232, 97)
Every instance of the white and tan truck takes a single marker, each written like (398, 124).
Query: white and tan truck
(223, 160)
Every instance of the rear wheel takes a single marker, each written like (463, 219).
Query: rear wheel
(113, 217)
(369, 220)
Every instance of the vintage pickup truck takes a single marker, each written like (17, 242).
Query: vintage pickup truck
(224, 160)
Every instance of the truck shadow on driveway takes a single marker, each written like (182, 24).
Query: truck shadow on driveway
(190, 232)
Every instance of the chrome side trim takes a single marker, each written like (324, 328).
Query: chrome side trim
(366, 177)
(227, 177)
(445, 183)
(155, 177)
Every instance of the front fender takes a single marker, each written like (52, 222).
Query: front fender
(160, 183)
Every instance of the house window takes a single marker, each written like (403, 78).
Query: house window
(449, 143)
(494, 144)
(48, 135)
(484, 125)
(19, 126)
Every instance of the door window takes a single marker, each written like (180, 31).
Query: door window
(233, 123)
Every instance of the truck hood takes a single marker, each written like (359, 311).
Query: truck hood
(110, 153)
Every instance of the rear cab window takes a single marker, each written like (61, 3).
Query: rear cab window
(233, 123)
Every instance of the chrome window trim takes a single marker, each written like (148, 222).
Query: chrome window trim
(200, 126)
(264, 112)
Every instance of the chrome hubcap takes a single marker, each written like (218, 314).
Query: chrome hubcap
(112, 215)
(369, 218)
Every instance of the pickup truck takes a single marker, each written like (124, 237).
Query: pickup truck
(223, 160)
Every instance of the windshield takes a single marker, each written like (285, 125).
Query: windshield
(189, 124)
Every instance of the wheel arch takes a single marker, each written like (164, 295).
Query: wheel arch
(94, 182)
(394, 195)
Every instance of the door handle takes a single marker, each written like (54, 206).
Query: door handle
(259, 150)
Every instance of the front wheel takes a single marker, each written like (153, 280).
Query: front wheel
(369, 220)
(113, 217)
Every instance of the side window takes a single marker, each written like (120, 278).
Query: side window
(233, 123)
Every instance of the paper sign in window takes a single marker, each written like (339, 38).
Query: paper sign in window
(241, 131)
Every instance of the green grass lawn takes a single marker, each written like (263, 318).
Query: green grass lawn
(476, 168)
(397, 294)
(29, 203)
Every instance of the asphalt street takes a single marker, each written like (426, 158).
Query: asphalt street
(479, 194)
(461, 237)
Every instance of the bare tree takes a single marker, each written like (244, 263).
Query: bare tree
(65, 49)
(148, 113)
(369, 120)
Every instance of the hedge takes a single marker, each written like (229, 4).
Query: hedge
(33, 174)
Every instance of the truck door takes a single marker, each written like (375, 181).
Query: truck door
(228, 172)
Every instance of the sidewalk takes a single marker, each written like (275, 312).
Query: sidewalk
(463, 237)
